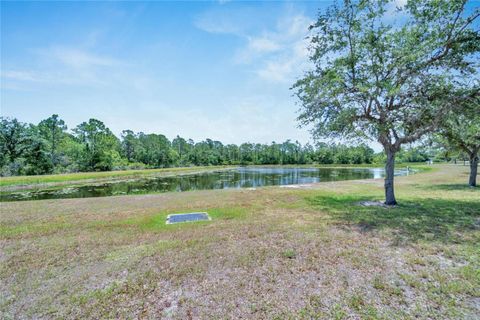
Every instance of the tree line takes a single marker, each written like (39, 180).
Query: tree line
(49, 147)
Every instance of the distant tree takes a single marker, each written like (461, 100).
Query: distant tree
(215, 152)
(28, 149)
(156, 150)
(361, 154)
(413, 154)
(73, 154)
(22, 149)
(342, 155)
(246, 153)
(378, 78)
(231, 152)
(130, 145)
(182, 148)
(13, 138)
(460, 131)
(308, 153)
(100, 145)
(274, 153)
(37, 156)
(52, 130)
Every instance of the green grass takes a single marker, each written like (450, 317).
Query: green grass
(289, 254)
(73, 177)
(157, 221)
(270, 253)
(414, 219)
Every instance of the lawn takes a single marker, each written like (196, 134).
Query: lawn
(269, 253)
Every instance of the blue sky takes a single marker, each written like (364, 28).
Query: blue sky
(219, 70)
(212, 69)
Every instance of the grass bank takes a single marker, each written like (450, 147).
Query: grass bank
(270, 253)
(71, 178)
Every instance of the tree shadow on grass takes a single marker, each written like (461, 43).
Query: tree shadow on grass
(446, 221)
(454, 187)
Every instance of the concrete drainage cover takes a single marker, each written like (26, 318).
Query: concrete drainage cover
(187, 217)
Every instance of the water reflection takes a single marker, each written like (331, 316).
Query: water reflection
(244, 177)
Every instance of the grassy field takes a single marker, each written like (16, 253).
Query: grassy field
(270, 253)
(82, 177)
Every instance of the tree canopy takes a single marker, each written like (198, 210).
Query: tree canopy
(49, 147)
(460, 130)
(384, 79)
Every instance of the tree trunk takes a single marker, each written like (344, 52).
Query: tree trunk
(472, 181)
(389, 174)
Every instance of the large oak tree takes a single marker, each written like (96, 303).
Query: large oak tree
(381, 74)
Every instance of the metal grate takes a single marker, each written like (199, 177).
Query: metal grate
(187, 217)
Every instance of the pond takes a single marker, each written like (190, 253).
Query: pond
(242, 177)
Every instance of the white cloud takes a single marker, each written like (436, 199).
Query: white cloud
(133, 96)
(288, 63)
(21, 79)
(61, 65)
(277, 70)
(277, 54)
(221, 22)
(256, 47)
(20, 75)
(294, 25)
(78, 58)
(82, 59)
(263, 44)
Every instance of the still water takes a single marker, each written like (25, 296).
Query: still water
(243, 177)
